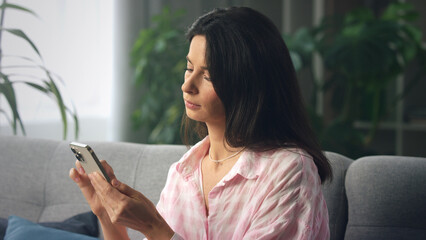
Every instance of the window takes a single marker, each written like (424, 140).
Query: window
(75, 41)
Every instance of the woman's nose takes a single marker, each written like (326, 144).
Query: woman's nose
(188, 86)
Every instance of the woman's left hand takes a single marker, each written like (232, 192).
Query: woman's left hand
(130, 208)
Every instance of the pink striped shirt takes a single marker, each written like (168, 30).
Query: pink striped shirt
(268, 195)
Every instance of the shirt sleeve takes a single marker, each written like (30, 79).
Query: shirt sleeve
(165, 202)
(294, 207)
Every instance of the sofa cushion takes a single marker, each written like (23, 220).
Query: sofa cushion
(22, 175)
(21, 229)
(335, 195)
(3, 226)
(83, 223)
(386, 196)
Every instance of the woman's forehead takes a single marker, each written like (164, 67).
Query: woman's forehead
(197, 51)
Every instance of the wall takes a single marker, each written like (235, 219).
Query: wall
(75, 40)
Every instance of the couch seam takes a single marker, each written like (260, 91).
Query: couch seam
(339, 209)
(342, 202)
(24, 201)
(141, 153)
(65, 204)
(344, 205)
(45, 178)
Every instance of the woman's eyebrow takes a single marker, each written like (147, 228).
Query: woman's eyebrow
(187, 59)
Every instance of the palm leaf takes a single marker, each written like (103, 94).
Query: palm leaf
(17, 7)
(61, 106)
(73, 114)
(21, 34)
(47, 87)
(9, 93)
(6, 116)
(36, 86)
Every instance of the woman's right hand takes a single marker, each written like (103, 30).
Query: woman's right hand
(109, 229)
(79, 176)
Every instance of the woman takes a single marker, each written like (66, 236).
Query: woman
(257, 173)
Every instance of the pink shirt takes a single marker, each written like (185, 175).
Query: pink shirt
(268, 195)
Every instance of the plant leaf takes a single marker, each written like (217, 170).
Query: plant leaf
(156, 49)
(5, 115)
(400, 11)
(37, 86)
(61, 106)
(21, 34)
(9, 93)
(17, 7)
(77, 124)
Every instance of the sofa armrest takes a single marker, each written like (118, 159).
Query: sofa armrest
(386, 197)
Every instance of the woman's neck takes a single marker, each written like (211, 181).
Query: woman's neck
(219, 148)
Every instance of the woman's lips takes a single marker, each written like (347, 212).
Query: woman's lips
(191, 105)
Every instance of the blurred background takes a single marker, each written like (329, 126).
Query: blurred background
(110, 70)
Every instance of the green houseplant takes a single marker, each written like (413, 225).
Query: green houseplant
(363, 56)
(10, 76)
(158, 57)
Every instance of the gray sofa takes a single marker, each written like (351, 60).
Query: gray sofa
(375, 197)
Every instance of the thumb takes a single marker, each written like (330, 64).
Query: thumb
(123, 188)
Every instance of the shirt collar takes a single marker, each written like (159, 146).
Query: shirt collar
(247, 165)
(191, 159)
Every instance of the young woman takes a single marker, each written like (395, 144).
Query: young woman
(257, 173)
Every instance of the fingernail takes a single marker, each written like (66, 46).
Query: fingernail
(80, 170)
(77, 179)
(115, 182)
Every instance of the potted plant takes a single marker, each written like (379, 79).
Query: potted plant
(363, 56)
(10, 76)
(158, 58)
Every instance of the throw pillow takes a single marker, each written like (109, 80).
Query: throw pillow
(3, 226)
(21, 229)
(83, 223)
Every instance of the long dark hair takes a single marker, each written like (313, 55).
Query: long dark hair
(252, 73)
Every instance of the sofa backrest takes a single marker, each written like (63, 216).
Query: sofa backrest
(35, 183)
(141, 166)
(144, 167)
(24, 172)
(387, 198)
(385, 195)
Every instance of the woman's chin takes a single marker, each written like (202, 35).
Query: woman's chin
(193, 116)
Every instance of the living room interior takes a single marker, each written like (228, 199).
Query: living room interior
(98, 54)
(99, 81)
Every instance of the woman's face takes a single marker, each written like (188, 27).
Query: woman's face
(201, 101)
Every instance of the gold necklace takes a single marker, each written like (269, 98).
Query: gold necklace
(221, 160)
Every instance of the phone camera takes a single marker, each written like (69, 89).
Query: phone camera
(79, 157)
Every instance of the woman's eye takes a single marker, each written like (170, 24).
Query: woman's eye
(188, 69)
(206, 78)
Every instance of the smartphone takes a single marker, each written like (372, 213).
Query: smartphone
(88, 159)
